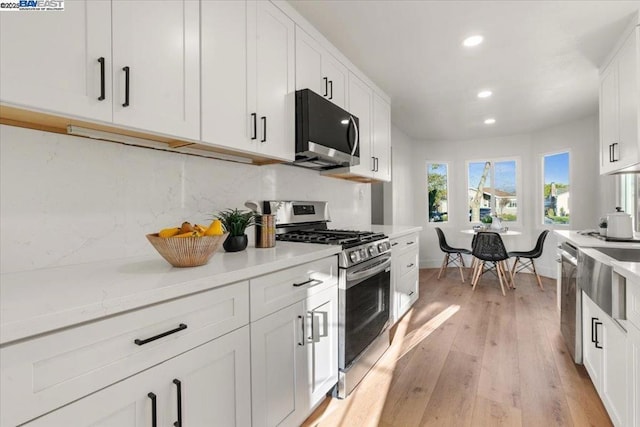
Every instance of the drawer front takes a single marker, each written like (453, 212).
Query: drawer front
(44, 373)
(406, 292)
(407, 261)
(274, 291)
(403, 243)
(633, 302)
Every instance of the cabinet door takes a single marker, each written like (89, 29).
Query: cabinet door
(278, 368)
(337, 77)
(628, 70)
(608, 116)
(614, 370)
(591, 332)
(633, 373)
(361, 104)
(381, 141)
(214, 381)
(322, 344)
(271, 77)
(225, 120)
(309, 64)
(63, 77)
(159, 42)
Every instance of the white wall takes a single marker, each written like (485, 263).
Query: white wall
(400, 207)
(410, 194)
(67, 200)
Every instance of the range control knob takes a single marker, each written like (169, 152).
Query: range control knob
(363, 254)
(381, 247)
(353, 256)
(372, 250)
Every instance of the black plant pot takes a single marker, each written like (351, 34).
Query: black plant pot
(235, 243)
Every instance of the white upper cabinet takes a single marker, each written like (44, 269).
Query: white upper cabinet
(156, 66)
(271, 79)
(318, 70)
(65, 76)
(620, 107)
(381, 138)
(361, 105)
(225, 117)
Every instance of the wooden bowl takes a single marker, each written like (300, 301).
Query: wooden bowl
(186, 251)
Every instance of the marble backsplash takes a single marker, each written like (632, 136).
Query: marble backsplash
(68, 200)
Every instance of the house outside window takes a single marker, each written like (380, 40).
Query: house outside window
(556, 189)
(493, 190)
(438, 191)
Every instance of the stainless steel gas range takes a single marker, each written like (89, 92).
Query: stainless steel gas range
(364, 282)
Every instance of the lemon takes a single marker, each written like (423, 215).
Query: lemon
(215, 228)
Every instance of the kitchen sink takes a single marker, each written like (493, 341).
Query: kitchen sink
(621, 254)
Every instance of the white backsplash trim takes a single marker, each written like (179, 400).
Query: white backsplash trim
(68, 200)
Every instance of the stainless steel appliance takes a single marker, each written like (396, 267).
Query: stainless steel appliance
(326, 135)
(570, 301)
(364, 284)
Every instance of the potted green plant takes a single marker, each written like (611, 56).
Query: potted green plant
(236, 222)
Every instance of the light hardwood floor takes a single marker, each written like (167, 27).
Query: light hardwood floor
(473, 358)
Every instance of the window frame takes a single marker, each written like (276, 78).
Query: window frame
(540, 192)
(427, 164)
(519, 196)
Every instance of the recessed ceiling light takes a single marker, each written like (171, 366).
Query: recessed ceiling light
(490, 121)
(484, 94)
(472, 41)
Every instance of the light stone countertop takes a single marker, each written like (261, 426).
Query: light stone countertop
(591, 242)
(394, 231)
(40, 301)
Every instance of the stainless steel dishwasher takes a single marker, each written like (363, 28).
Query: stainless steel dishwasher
(570, 301)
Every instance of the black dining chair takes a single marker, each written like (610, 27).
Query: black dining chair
(529, 257)
(489, 248)
(451, 255)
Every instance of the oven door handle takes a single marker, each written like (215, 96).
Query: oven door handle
(374, 269)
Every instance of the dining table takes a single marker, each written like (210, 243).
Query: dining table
(500, 232)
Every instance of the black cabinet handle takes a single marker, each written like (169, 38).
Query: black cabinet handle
(101, 61)
(254, 120)
(596, 329)
(410, 243)
(377, 164)
(162, 335)
(593, 329)
(394, 244)
(410, 265)
(330, 89)
(126, 86)
(610, 154)
(317, 282)
(326, 86)
(264, 128)
(411, 293)
(154, 410)
(613, 152)
(304, 333)
(179, 399)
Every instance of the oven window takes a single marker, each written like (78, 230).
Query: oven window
(367, 313)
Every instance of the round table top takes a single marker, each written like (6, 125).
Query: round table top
(502, 233)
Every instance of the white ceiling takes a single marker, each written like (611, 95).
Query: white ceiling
(540, 59)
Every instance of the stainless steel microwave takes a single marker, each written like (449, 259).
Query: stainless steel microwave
(326, 135)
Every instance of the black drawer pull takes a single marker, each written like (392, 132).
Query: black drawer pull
(179, 399)
(326, 86)
(411, 293)
(126, 86)
(593, 329)
(264, 129)
(410, 243)
(162, 335)
(317, 282)
(330, 89)
(394, 244)
(154, 410)
(102, 91)
(410, 265)
(597, 341)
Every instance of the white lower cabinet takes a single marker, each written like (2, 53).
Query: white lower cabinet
(294, 356)
(605, 358)
(633, 375)
(206, 386)
(405, 276)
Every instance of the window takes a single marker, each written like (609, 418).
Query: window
(556, 194)
(492, 190)
(437, 181)
(630, 197)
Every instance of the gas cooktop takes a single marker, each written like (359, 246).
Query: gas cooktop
(346, 238)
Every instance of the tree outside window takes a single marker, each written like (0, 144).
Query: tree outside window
(556, 192)
(437, 179)
(492, 190)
